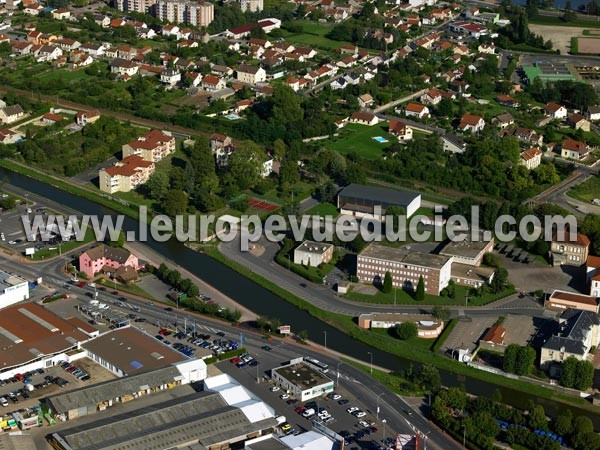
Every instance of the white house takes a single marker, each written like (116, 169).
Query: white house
(123, 67)
(471, 123)
(531, 158)
(593, 113)
(416, 110)
(212, 83)
(251, 74)
(170, 77)
(10, 114)
(555, 111)
(364, 118)
(49, 53)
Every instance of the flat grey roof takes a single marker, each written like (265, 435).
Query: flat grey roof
(268, 444)
(8, 280)
(90, 396)
(405, 255)
(133, 351)
(301, 375)
(16, 441)
(471, 272)
(378, 195)
(199, 420)
(467, 248)
(314, 247)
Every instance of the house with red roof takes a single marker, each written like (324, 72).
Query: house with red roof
(470, 123)
(531, 158)
(400, 130)
(555, 110)
(573, 149)
(413, 109)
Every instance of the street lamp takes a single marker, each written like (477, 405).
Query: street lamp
(325, 333)
(425, 439)
(337, 371)
(371, 355)
(464, 435)
(378, 397)
(383, 432)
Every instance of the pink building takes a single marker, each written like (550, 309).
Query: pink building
(106, 259)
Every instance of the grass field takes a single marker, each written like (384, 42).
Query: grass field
(586, 191)
(63, 74)
(324, 209)
(557, 22)
(313, 35)
(359, 138)
(402, 297)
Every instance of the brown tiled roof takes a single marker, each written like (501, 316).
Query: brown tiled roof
(117, 254)
(128, 166)
(577, 298)
(495, 334)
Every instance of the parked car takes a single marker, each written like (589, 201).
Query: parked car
(274, 389)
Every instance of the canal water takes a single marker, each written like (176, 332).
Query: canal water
(263, 302)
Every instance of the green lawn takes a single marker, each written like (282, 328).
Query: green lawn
(324, 209)
(556, 21)
(586, 191)
(402, 297)
(313, 35)
(130, 288)
(359, 138)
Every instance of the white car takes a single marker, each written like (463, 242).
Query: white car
(75, 280)
(274, 388)
(2, 237)
(364, 423)
(360, 414)
(324, 414)
(102, 306)
(284, 396)
(92, 285)
(352, 409)
(335, 396)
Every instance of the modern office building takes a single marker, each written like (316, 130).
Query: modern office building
(301, 380)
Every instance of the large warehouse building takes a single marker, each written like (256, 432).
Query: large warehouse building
(360, 201)
(225, 415)
(31, 337)
(13, 289)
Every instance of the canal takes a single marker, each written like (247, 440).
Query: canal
(263, 302)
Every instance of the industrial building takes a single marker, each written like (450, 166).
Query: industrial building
(361, 201)
(13, 289)
(405, 267)
(201, 420)
(31, 337)
(301, 380)
(127, 351)
(309, 440)
(92, 399)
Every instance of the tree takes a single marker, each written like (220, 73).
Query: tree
(568, 15)
(563, 424)
(441, 313)
(420, 292)
(303, 335)
(569, 368)
(279, 150)
(407, 330)
(387, 283)
(157, 186)
(584, 375)
(537, 418)
(176, 202)
(246, 164)
(525, 359)
(120, 242)
(428, 377)
(509, 360)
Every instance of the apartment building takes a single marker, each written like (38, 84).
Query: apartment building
(125, 175)
(153, 146)
(251, 5)
(406, 268)
(199, 14)
(141, 6)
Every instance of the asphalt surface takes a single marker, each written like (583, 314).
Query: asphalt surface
(357, 386)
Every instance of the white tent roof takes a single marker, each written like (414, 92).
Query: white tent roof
(310, 440)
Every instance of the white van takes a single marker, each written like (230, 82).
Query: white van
(3, 402)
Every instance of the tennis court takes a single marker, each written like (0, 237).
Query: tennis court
(259, 204)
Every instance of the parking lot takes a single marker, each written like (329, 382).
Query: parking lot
(359, 435)
(520, 330)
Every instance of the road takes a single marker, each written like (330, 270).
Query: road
(392, 407)
(325, 298)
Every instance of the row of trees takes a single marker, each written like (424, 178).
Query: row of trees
(173, 278)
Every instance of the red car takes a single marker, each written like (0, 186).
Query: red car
(300, 409)
(234, 360)
(80, 285)
(19, 377)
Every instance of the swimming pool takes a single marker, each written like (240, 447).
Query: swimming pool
(232, 116)
(380, 139)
